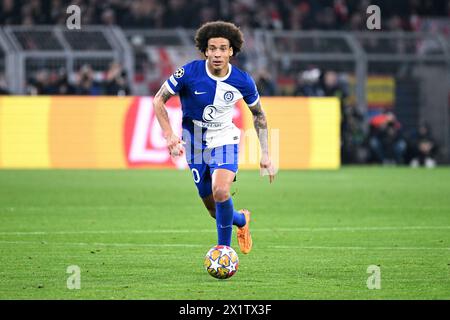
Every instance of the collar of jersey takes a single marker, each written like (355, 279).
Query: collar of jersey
(218, 78)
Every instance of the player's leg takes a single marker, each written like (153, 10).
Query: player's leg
(210, 205)
(202, 178)
(224, 168)
(225, 213)
(221, 184)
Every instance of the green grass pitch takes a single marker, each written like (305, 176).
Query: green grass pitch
(143, 234)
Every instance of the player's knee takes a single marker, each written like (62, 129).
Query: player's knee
(220, 193)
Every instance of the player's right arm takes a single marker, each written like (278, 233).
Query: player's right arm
(159, 101)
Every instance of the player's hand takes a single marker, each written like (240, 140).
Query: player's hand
(175, 145)
(267, 168)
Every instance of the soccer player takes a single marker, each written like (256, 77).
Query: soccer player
(208, 91)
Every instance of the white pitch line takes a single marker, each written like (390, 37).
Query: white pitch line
(357, 248)
(154, 245)
(182, 245)
(212, 230)
(100, 232)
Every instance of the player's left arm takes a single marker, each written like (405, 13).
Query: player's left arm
(260, 123)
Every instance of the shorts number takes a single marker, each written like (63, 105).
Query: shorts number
(196, 175)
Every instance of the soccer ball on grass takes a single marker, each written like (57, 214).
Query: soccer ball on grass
(221, 262)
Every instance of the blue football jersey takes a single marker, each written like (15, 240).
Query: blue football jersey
(207, 101)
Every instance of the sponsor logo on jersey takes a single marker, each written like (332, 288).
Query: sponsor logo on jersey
(209, 113)
(210, 125)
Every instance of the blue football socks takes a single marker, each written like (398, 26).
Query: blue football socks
(224, 222)
(225, 218)
(239, 219)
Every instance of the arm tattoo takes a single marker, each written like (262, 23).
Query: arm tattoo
(260, 123)
(160, 99)
(163, 93)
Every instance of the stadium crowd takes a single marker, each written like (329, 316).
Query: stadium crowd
(268, 14)
(84, 82)
(384, 142)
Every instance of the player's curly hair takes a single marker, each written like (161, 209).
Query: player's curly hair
(219, 29)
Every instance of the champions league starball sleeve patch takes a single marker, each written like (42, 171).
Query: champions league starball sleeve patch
(179, 73)
(176, 81)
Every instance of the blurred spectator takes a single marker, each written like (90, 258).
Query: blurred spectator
(64, 87)
(178, 13)
(9, 12)
(308, 84)
(108, 17)
(40, 84)
(57, 13)
(116, 81)
(317, 83)
(265, 84)
(207, 14)
(352, 120)
(330, 85)
(285, 14)
(423, 148)
(86, 84)
(353, 149)
(143, 14)
(386, 141)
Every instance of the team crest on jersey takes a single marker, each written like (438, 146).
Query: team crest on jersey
(179, 73)
(228, 96)
(209, 113)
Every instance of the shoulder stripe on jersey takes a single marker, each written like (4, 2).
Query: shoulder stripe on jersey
(169, 88)
(173, 81)
(254, 103)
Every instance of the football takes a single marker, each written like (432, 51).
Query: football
(221, 262)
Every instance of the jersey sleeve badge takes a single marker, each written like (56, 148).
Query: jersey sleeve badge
(179, 73)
